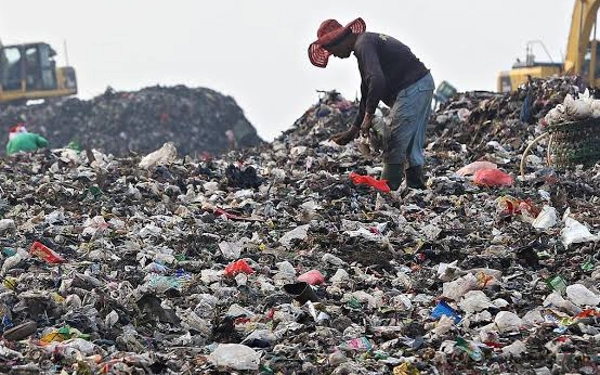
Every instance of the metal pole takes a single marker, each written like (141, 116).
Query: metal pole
(66, 52)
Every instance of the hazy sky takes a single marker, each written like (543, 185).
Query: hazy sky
(255, 50)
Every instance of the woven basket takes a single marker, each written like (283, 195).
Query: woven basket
(574, 143)
(571, 144)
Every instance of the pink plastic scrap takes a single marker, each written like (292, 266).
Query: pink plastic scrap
(474, 167)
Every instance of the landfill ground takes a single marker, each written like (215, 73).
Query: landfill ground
(170, 264)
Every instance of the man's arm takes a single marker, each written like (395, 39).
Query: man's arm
(372, 76)
(361, 108)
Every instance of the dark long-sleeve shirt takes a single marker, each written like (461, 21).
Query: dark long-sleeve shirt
(386, 66)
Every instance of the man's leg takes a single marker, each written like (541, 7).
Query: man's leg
(404, 117)
(393, 173)
(416, 159)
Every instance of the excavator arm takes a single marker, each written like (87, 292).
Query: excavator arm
(584, 19)
(576, 61)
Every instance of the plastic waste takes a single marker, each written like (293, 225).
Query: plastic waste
(7, 225)
(575, 232)
(492, 178)
(313, 277)
(340, 276)
(459, 287)
(448, 271)
(471, 349)
(235, 357)
(83, 346)
(163, 156)
(231, 250)
(546, 219)
(509, 206)
(239, 266)
(380, 185)
(474, 167)
(582, 296)
(515, 350)
(444, 325)
(13, 261)
(507, 321)
(557, 283)
(475, 301)
(443, 309)
(392, 257)
(579, 108)
(360, 344)
(41, 251)
(298, 233)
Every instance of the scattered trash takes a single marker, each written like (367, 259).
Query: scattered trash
(271, 260)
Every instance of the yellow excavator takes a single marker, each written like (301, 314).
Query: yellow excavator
(28, 72)
(582, 57)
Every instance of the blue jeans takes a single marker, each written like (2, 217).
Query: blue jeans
(409, 117)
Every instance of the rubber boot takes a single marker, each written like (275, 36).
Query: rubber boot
(394, 174)
(414, 178)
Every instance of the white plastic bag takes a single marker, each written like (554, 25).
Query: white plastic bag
(546, 219)
(507, 321)
(235, 356)
(577, 108)
(575, 232)
(582, 296)
(163, 156)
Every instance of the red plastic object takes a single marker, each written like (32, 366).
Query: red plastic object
(509, 206)
(492, 177)
(380, 185)
(41, 251)
(312, 277)
(239, 266)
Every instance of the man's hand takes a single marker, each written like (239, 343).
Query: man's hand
(344, 138)
(366, 124)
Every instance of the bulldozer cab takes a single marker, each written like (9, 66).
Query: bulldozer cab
(28, 71)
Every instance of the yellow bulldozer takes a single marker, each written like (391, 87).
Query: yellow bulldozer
(582, 57)
(28, 72)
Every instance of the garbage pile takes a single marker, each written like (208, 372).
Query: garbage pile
(271, 260)
(474, 119)
(120, 123)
